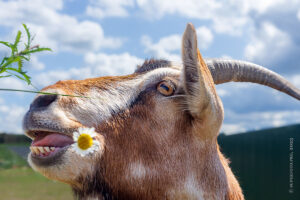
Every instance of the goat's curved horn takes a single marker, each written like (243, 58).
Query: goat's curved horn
(224, 70)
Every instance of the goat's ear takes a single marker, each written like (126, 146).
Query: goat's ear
(201, 97)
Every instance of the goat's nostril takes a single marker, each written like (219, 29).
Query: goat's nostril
(43, 101)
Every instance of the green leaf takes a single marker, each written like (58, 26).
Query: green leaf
(5, 76)
(28, 36)
(10, 61)
(26, 77)
(6, 44)
(17, 40)
(25, 58)
(13, 69)
(3, 60)
(20, 65)
(39, 50)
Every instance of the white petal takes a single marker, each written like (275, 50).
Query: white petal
(83, 152)
(75, 136)
(90, 128)
(91, 131)
(96, 143)
(80, 129)
(74, 146)
(93, 134)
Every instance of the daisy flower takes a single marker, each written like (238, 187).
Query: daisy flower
(85, 141)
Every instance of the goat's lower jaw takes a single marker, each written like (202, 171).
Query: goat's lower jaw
(49, 158)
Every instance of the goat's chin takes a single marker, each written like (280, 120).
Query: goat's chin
(68, 168)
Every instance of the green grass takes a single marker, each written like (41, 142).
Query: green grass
(19, 182)
(9, 159)
(25, 184)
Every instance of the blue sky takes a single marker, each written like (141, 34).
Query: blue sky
(103, 37)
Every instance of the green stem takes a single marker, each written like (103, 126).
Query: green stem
(39, 92)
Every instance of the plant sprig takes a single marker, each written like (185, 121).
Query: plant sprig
(7, 67)
(45, 93)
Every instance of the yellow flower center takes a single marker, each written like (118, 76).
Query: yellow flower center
(85, 141)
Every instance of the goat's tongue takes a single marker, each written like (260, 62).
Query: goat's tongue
(52, 140)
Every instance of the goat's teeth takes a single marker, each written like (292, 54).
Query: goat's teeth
(34, 150)
(47, 149)
(37, 151)
(41, 149)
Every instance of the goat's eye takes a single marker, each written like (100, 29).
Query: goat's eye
(165, 88)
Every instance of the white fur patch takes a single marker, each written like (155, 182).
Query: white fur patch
(137, 170)
(192, 187)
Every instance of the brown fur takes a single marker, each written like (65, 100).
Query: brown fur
(80, 87)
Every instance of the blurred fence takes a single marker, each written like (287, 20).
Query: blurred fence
(13, 138)
(266, 162)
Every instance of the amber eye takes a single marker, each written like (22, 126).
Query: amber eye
(165, 88)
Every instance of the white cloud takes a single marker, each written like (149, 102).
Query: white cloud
(13, 83)
(52, 76)
(95, 65)
(247, 6)
(226, 56)
(295, 80)
(188, 8)
(35, 63)
(232, 128)
(268, 44)
(4, 50)
(108, 8)
(168, 47)
(231, 17)
(298, 15)
(205, 37)
(165, 48)
(240, 122)
(53, 29)
(112, 64)
(222, 92)
(194, 9)
(220, 13)
(11, 118)
(231, 25)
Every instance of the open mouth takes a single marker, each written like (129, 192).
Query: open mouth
(48, 145)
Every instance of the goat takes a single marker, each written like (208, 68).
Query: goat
(158, 128)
